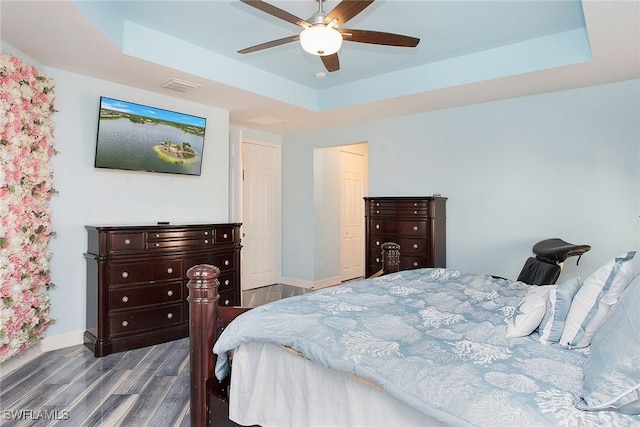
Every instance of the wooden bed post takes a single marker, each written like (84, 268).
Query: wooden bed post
(203, 315)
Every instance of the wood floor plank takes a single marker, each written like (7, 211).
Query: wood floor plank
(149, 400)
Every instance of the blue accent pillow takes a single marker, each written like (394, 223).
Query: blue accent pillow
(612, 370)
(596, 296)
(558, 304)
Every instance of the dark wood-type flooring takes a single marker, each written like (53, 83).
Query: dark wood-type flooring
(142, 387)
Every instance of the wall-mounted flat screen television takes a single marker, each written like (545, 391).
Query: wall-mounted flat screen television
(142, 138)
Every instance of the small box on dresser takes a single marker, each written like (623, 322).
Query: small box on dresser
(417, 224)
(136, 280)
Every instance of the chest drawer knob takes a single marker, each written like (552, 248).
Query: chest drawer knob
(415, 263)
(377, 242)
(169, 270)
(206, 233)
(170, 293)
(377, 211)
(157, 245)
(125, 323)
(125, 274)
(125, 299)
(226, 282)
(415, 212)
(377, 259)
(415, 228)
(225, 235)
(415, 246)
(226, 262)
(206, 242)
(227, 302)
(377, 226)
(170, 316)
(157, 235)
(127, 241)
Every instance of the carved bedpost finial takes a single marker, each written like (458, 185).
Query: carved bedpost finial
(203, 312)
(390, 257)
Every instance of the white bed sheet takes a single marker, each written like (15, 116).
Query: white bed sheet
(271, 386)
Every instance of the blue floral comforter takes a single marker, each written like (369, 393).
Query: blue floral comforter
(434, 339)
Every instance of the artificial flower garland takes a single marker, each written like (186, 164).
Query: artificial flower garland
(26, 178)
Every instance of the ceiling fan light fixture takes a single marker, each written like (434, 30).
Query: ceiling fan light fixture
(321, 40)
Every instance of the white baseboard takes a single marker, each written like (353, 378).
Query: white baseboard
(47, 344)
(62, 341)
(309, 284)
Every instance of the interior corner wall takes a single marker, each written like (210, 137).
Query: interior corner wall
(562, 164)
(116, 197)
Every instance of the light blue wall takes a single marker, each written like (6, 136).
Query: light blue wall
(102, 197)
(563, 164)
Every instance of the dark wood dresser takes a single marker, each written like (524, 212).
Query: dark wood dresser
(417, 224)
(136, 280)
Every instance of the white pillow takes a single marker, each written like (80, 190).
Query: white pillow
(558, 304)
(594, 299)
(527, 315)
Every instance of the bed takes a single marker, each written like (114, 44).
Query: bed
(427, 347)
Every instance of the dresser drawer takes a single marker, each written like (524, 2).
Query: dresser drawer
(224, 235)
(407, 228)
(228, 299)
(180, 234)
(181, 243)
(145, 272)
(412, 262)
(143, 319)
(224, 261)
(228, 281)
(138, 296)
(126, 242)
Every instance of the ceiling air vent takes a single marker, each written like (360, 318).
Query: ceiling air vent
(180, 85)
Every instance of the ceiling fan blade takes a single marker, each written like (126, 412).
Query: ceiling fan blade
(272, 43)
(331, 62)
(277, 12)
(346, 10)
(378, 37)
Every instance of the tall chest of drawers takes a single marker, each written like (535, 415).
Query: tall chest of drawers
(136, 280)
(417, 224)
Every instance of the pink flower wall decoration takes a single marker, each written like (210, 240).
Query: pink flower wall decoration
(26, 177)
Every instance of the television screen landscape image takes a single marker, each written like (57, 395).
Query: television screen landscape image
(142, 138)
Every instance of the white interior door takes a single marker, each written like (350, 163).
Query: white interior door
(260, 214)
(352, 215)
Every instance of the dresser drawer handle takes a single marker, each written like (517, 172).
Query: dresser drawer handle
(127, 241)
(125, 323)
(225, 235)
(415, 246)
(157, 245)
(377, 259)
(377, 226)
(125, 299)
(415, 204)
(227, 302)
(170, 293)
(169, 270)
(377, 204)
(125, 274)
(377, 211)
(377, 242)
(157, 235)
(415, 212)
(226, 282)
(227, 262)
(206, 233)
(170, 316)
(415, 228)
(415, 263)
(206, 242)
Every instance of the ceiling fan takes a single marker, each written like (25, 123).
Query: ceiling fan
(322, 33)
